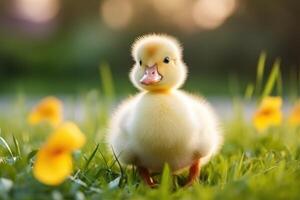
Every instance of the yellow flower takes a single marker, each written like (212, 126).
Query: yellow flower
(49, 110)
(294, 118)
(54, 160)
(268, 114)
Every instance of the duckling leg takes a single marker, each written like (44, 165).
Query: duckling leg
(194, 173)
(145, 174)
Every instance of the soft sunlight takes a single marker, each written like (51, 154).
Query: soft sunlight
(38, 11)
(149, 99)
(209, 14)
(116, 13)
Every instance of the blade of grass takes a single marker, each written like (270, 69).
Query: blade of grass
(17, 146)
(4, 144)
(117, 161)
(279, 83)
(238, 173)
(31, 155)
(105, 161)
(249, 91)
(90, 158)
(107, 81)
(123, 177)
(260, 72)
(272, 79)
(165, 187)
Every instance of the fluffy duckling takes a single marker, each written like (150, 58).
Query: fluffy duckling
(163, 124)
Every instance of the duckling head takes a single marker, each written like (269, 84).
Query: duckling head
(158, 63)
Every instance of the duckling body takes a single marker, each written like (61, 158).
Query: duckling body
(163, 124)
(174, 132)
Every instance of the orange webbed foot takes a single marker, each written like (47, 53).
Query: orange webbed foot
(145, 174)
(194, 173)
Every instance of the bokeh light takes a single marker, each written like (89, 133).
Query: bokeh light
(37, 11)
(116, 13)
(209, 14)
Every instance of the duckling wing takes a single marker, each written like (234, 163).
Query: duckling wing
(209, 138)
(117, 137)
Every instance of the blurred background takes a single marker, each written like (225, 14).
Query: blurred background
(57, 46)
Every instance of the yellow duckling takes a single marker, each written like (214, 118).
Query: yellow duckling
(163, 124)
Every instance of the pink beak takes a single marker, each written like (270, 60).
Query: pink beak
(151, 76)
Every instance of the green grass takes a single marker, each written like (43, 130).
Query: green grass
(249, 165)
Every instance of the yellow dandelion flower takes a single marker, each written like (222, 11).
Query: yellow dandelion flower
(49, 110)
(294, 118)
(268, 114)
(54, 160)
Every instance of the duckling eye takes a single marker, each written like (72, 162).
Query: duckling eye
(141, 62)
(166, 60)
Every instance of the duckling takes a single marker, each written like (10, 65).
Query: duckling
(162, 124)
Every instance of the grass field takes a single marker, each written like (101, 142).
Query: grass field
(250, 165)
